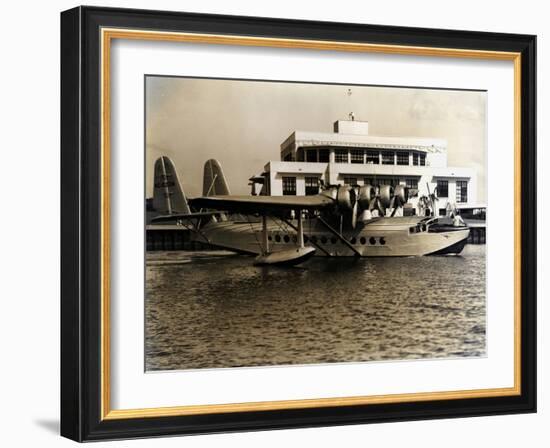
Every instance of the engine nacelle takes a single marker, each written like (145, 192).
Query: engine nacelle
(401, 194)
(366, 195)
(331, 192)
(346, 198)
(385, 194)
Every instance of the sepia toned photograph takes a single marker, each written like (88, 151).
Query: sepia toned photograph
(302, 223)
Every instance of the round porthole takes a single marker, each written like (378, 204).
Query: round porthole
(382, 241)
(278, 238)
(353, 240)
(372, 240)
(286, 238)
(363, 240)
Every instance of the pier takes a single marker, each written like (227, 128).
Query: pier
(171, 237)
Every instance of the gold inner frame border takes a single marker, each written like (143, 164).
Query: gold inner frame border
(107, 36)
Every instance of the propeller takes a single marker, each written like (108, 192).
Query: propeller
(381, 200)
(352, 201)
(400, 198)
(432, 198)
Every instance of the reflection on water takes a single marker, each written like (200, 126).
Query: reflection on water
(210, 309)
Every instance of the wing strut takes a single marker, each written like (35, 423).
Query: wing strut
(339, 236)
(300, 229)
(265, 240)
(318, 246)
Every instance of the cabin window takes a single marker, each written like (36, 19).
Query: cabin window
(373, 157)
(289, 186)
(324, 155)
(461, 191)
(402, 158)
(382, 241)
(312, 186)
(341, 156)
(388, 158)
(442, 188)
(363, 240)
(350, 180)
(286, 238)
(311, 155)
(356, 156)
(372, 240)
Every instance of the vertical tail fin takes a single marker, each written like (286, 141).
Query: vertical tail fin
(214, 182)
(168, 197)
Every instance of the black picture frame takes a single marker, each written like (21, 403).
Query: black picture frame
(81, 209)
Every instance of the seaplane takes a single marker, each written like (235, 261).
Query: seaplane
(339, 221)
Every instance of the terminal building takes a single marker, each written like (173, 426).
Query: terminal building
(351, 156)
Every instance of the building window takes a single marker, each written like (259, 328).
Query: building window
(324, 155)
(388, 158)
(422, 158)
(300, 155)
(312, 185)
(289, 186)
(402, 158)
(443, 188)
(415, 158)
(373, 157)
(411, 183)
(369, 181)
(350, 180)
(341, 156)
(393, 181)
(311, 155)
(356, 156)
(461, 191)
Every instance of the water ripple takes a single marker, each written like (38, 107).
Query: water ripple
(210, 310)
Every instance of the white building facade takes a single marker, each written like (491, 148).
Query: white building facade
(351, 156)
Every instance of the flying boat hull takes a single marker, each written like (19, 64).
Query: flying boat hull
(379, 237)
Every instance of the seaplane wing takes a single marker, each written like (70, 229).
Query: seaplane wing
(264, 204)
(185, 216)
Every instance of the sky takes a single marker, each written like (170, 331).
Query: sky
(243, 123)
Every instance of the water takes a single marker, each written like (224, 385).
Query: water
(212, 309)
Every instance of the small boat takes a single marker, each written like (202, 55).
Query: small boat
(288, 257)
